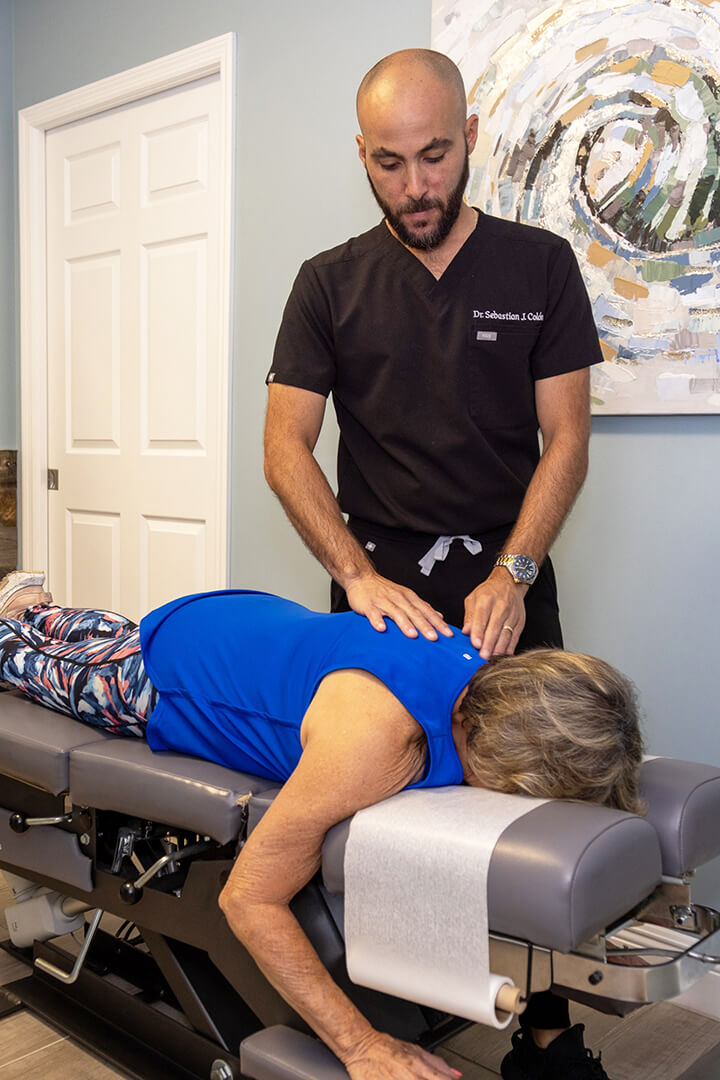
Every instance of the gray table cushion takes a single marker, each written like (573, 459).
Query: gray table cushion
(558, 875)
(683, 799)
(567, 870)
(259, 804)
(35, 743)
(281, 1053)
(175, 789)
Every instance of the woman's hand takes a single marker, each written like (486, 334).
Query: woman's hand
(380, 1057)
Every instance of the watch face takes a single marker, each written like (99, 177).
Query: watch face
(524, 568)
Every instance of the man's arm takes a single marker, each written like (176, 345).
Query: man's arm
(293, 422)
(563, 409)
(353, 757)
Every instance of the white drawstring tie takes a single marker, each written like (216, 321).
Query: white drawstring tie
(438, 552)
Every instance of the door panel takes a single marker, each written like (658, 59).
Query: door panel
(92, 558)
(173, 351)
(167, 543)
(92, 353)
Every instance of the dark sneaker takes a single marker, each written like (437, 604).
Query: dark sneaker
(566, 1058)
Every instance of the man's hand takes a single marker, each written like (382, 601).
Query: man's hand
(495, 614)
(383, 1058)
(374, 597)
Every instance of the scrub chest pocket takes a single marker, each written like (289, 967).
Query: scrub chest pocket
(501, 389)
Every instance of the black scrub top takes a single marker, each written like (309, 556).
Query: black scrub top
(434, 381)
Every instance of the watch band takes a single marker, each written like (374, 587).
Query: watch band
(522, 568)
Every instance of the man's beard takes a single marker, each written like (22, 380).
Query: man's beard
(448, 216)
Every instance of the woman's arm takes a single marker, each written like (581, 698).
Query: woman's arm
(355, 755)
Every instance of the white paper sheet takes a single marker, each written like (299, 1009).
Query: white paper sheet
(416, 918)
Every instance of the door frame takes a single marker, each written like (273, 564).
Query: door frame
(213, 57)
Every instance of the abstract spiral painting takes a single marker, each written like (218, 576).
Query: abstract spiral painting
(601, 122)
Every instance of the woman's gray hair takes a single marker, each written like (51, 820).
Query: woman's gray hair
(555, 724)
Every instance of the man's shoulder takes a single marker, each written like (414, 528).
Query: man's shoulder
(356, 248)
(519, 232)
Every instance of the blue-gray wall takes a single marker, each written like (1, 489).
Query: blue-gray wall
(638, 578)
(7, 234)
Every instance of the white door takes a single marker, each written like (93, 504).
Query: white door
(137, 379)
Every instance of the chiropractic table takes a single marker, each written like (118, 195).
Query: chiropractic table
(590, 901)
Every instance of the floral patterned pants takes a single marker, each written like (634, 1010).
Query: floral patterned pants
(86, 664)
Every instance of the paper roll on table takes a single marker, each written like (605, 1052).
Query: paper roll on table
(416, 922)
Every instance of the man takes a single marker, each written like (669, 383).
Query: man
(344, 718)
(447, 338)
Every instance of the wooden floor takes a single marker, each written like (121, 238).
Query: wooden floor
(30, 1048)
(661, 1042)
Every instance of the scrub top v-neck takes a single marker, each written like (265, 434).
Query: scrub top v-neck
(433, 380)
(429, 287)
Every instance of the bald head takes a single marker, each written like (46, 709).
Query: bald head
(410, 72)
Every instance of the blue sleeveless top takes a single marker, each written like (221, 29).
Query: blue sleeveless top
(237, 670)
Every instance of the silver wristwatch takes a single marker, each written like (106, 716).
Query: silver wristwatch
(524, 570)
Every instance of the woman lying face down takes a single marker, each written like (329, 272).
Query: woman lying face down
(239, 677)
(345, 717)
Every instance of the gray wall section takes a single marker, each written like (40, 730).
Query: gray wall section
(8, 430)
(635, 562)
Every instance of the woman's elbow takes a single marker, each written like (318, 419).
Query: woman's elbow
(237, 909)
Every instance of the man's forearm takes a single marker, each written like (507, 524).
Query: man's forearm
(550, 495)
(308, 500)
(495, 610)
(296, 478)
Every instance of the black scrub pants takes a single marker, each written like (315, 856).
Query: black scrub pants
(396, 554)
